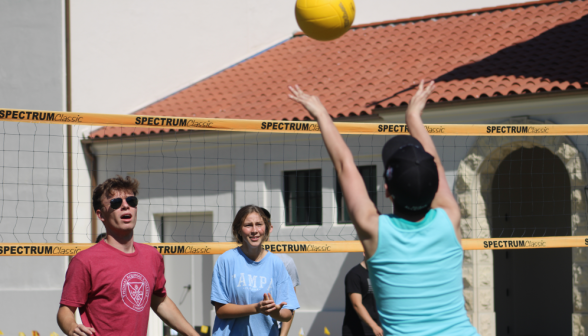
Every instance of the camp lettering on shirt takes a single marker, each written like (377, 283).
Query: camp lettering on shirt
(242, 281)
(113, 289)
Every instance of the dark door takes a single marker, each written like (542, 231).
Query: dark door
(532, 288)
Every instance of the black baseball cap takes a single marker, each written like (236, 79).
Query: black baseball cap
(410, 173)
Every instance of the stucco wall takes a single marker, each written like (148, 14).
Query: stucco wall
(32, 77)
(128, 54)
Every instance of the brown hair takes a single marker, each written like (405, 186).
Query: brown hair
(240, 220)
(111, 185)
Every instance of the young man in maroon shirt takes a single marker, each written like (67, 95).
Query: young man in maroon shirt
(115, 282)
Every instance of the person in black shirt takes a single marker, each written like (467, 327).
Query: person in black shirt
(100, 237)
(361, 315)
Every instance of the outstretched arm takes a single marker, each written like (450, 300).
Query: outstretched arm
(444, 198)
(362, 210)
(167, 310)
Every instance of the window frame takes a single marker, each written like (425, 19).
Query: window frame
(340, 200)
(315, 194)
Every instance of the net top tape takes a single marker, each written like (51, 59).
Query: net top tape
(279, 126)
(64, 249)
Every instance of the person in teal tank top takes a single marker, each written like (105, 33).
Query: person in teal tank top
(414, 256)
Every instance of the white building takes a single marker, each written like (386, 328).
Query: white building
(495, 66)
(127, 55)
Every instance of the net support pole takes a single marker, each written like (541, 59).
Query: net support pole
(69, 135)
(69, 187)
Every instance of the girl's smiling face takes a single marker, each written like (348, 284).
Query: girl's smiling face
(253, 230)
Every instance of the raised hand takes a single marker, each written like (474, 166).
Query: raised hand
(311, 103)
(418, 101)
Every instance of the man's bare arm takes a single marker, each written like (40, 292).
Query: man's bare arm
(362, 210)
(356, 301)
(167, 310)
(444, 198)
(66, 319)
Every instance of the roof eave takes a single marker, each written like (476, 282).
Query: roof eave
(485, 100)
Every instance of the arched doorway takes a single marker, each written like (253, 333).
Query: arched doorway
(532, 288)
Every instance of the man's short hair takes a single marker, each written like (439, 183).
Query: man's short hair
(110, 186)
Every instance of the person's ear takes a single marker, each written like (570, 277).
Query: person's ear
(388, 195)
(271, 228)
(99, 215)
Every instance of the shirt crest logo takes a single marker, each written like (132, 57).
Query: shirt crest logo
(134, 290)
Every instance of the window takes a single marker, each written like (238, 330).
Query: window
(303, 197)
(369, 177)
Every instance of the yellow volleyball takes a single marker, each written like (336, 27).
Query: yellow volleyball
(325, 20)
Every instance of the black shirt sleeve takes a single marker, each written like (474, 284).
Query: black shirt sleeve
(352, 283)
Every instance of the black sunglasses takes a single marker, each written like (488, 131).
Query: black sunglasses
(116, 203)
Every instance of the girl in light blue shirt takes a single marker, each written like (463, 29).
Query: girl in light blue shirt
(251, 289)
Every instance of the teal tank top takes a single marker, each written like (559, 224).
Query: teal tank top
(416, 276)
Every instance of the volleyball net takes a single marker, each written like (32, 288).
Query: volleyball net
(521, 184)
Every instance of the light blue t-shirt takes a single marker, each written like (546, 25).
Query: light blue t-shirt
(417, 278)
(240, 280)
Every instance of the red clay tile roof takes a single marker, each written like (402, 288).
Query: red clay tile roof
(508, 50)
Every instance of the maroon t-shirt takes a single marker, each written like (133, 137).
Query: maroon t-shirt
(113, 289)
